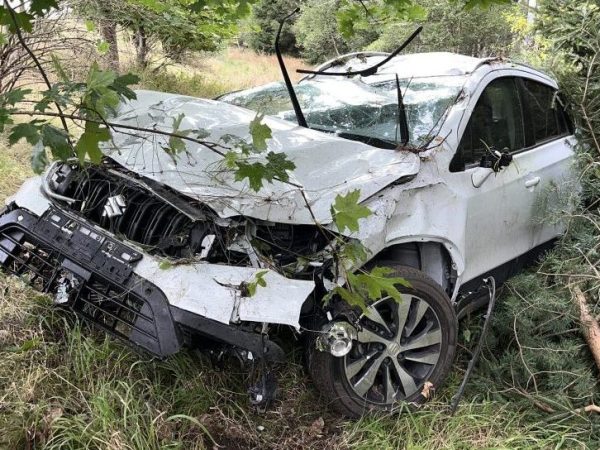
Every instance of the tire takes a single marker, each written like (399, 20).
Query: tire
(430, 319)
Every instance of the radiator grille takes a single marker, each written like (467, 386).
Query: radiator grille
(119, 311)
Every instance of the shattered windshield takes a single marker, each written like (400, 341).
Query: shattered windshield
(356, 110)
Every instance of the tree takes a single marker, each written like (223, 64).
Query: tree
(452, 27)
(177, 25)
(319, 35)
(265, 18)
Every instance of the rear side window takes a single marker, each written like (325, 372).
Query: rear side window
(546, 112)
(496, 123)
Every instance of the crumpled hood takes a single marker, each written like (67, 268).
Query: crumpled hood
(325, 164)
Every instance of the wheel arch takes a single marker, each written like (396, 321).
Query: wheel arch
(436, 257)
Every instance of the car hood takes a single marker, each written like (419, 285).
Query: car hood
(325, 164)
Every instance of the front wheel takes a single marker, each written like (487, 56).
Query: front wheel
(402, 352)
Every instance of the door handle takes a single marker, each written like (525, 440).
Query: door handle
(532, 182)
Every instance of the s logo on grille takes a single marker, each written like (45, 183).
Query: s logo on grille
(114, 206)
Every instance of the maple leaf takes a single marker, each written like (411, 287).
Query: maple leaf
(346, 211)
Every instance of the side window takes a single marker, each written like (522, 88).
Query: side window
(548, 118)
(496, 123)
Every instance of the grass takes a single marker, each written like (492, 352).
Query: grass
(65, 386)
(210, 76)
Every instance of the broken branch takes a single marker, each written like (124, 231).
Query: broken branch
(591, 329)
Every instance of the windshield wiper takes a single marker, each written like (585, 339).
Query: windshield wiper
(369, 70)
(402, 119)
(286, 78)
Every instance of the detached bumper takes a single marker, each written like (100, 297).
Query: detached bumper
(127, 292)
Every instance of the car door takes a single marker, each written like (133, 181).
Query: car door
(499, 205)
(549, 135)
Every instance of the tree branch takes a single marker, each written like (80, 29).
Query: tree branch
(210, 145)
(38, 65)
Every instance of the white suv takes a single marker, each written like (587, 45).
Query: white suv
(456, 191)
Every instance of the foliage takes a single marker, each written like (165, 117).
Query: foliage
(346, 211)
(319, 36)
(449, 26)
(265, 19)
(178, 25)
(536, 348)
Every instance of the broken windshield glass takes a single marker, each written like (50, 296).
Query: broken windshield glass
(357, 110)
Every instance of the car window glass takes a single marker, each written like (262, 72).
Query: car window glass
(496, 123)
(546, 119)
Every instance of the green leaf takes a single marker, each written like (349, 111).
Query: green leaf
(355, 252)
(13, 97)
(3, 39)
(276, 167)
(260, 132)
(100, 78)
(122, 83)
(22, 20)
(102, 47)
(165, 265)
(231, 159)
(89, 141)
(259, 280)
(57, 141)
(202, 133)
(29, 344)
(29, 131)
(254, 172)
(39, 159)
(90, 26)
(40, 7)
(346, 211)
(377, 283)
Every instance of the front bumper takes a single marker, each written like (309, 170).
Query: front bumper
(129, 293)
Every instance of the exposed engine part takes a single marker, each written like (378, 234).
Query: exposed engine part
(126, 208)
(336, 338)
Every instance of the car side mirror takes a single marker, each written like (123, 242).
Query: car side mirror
(496, 160)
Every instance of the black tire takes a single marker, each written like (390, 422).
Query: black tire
(332, 376)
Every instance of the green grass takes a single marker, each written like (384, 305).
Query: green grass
(65, 386)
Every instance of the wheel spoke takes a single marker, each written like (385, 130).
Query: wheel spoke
(356, 366)
(408, 383)
(402, 310)
(425, 339)
(366, 381)
(425, 357)
(416, 317)
(390, 392)
(366, 336)
(373, 314)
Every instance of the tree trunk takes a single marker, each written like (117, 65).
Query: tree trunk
(108, 29)
(591, 329)
(141, 46)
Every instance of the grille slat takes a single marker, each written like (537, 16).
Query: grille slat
(109, 306)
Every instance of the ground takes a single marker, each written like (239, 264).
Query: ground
(65, 386)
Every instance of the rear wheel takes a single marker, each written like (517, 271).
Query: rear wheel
(399, 349)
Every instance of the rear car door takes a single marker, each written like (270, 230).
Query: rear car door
(550, 140)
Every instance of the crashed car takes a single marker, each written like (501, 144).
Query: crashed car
(453, 155)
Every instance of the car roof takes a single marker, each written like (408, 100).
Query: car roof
(431, 64)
